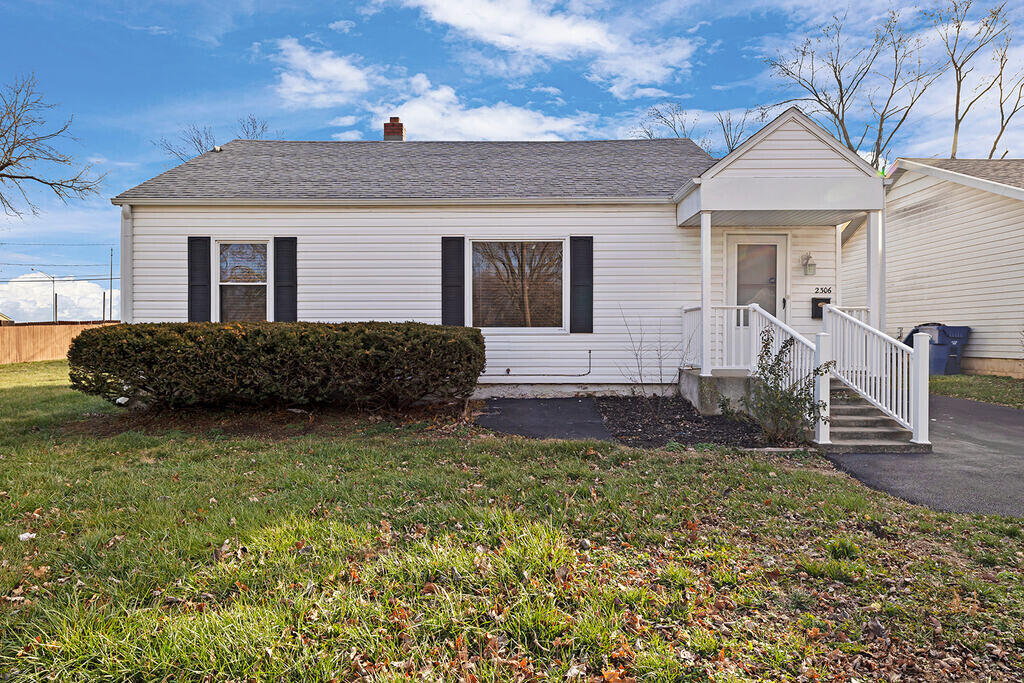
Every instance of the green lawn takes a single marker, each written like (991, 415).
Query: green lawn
(1005, 391)
(333, 549)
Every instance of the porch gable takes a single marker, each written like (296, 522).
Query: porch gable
(791, 172)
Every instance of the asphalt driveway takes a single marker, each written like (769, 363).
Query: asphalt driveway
(977, 464)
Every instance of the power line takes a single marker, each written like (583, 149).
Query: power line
(61, 244)
(67, 279)
(56, 265)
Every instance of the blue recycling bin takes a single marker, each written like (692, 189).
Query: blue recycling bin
(946, 347)
(955, 337)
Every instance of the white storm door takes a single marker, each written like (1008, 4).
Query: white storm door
(755, 274)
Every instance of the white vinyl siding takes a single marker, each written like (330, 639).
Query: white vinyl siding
(792, 151)
(956, 256)
(855, 268)
(385, 264)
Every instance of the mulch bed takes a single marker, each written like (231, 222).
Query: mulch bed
(655, 421)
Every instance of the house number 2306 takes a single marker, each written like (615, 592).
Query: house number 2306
(822, 290)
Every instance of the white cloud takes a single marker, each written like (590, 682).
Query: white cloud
(438, 113)
(29, 298)
(318, 78)
(348, 135)
(344, 121)
(533, 31)
(342, 25)
(103, 161)
(549, 89)
(520, 26)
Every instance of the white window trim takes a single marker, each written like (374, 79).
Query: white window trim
(563, 329)
(215, 271)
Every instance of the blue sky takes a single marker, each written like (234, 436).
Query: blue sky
(132, 72)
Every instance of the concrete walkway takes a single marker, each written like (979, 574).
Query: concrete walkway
(545, 418)
(977, 464)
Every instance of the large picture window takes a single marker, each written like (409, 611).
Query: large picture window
(243, 281)
(517, 284)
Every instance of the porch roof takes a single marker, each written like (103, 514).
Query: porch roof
(791, 172)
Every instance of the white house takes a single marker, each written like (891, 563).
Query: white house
(955, 255)
(589, 266)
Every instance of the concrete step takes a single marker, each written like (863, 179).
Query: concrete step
(865, 419)
(842, 446)
(890, 432)
(850, 408)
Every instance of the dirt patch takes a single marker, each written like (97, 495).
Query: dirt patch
(653, 422)
(267, 423)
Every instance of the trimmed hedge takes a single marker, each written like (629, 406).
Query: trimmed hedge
(367, 365)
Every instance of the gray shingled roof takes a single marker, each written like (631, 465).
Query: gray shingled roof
(1005, 171)
(249, 169)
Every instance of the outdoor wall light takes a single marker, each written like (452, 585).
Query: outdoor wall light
(810, 267)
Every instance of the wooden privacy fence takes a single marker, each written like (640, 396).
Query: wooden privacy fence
(22, 342)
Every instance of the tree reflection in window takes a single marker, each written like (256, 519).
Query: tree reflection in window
(243, 277)
(517, 284)
(243, 262)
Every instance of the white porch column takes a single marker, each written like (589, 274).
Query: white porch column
(876, 269)
(823, 387)
(705, 293)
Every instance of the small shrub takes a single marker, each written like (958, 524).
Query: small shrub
(842, 549)
(368, 365)
(783, 408)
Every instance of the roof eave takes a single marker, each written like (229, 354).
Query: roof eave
(992, 186)
(394, 201)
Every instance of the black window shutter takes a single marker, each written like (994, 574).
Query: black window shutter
(286, 286)
(199, 279)
(581, 284)
(453, 281)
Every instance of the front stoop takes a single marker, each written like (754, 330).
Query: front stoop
(859, 427)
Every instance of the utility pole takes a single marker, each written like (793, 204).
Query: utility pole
(111, 302)
(53, 284)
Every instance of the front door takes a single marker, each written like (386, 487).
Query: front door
(755, 274)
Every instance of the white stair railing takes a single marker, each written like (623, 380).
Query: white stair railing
(801, 354)
(805, 357)
(887, 373)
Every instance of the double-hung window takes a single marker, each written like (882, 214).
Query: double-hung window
(243, 281)
(518, 284)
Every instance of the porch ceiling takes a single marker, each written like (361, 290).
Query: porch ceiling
(774, 218)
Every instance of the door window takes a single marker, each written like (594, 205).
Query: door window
(756, 275)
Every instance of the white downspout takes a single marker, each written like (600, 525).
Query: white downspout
(127, 260)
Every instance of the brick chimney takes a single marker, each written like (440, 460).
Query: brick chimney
(394, 130)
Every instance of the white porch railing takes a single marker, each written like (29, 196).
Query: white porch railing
(858, 312)
(887, 373)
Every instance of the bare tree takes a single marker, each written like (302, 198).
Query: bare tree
(963, 38)
(190, 142)
(1011, 94)
(671, 120)
(252, 127)
(903, 78)
(28, 155)
(733, 131)
(864, 90)
(193, 139)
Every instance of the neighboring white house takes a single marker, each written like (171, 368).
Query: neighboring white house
(589, 266)
(955, 255)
